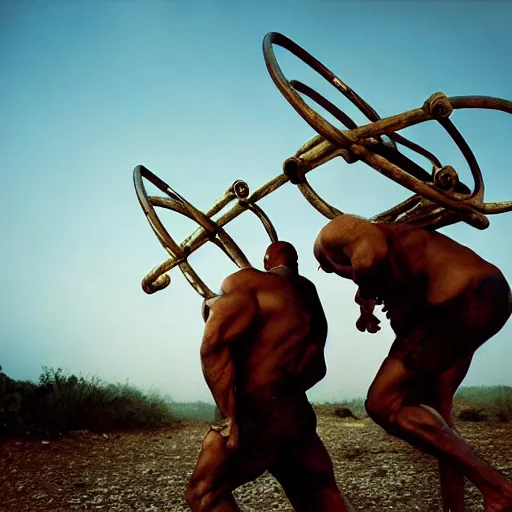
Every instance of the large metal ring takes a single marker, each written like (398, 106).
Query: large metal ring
(356, 142)
(209, 230)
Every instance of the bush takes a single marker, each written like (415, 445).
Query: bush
(493, 402)
(472, 414)
(354, 407)
(472, 403)
(344, 412)
(60, 403)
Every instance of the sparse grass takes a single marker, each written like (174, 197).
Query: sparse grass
(493, 402)
(344, 412)
(194, 411)
(60, 403)
(472, 414)
(472, 403)
(355, 406)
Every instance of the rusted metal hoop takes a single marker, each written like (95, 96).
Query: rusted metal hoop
(216, 233)
(292, 166)
(317, 122)
(212, 231)
(438, 107)
(349, 123)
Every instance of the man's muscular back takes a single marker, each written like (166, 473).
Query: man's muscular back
(444, 267)
(408, 268)
(290, 323)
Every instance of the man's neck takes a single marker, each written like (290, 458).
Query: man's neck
(282, 270)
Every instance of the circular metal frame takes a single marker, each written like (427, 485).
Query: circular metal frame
(315, 120)
(209, 230)
(356, 142)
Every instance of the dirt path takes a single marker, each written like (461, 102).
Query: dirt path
(148, 471)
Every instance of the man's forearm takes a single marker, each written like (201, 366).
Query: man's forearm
(366, 306)
(370, 286)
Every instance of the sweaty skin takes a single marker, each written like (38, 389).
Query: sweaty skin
(443, 301)
(262, 349)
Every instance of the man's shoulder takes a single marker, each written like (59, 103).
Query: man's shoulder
(350, 220)
(242, 279)
(411, 234)
(346, 229)
(306, 283)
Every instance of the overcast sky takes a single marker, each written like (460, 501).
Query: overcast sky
(91, 89)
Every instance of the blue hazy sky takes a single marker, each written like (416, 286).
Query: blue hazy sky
(89, 90)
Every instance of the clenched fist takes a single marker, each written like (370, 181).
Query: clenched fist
(368, 322)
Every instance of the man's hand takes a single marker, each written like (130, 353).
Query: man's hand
(228, 429)
(232, 440)
(368, 322)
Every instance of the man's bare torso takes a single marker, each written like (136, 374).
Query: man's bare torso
(428, 269)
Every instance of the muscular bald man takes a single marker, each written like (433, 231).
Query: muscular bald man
(443, 302)
(262, 349)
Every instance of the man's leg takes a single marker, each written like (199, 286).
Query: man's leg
(392, 403)
(218, 472)
(306, 474)
(451, 478)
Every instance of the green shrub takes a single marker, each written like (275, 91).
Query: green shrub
(60, 403)
(472, 414)
(494, 402)
(344, 412)
(472, 403)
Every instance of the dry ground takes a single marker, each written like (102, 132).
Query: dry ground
(148, 470)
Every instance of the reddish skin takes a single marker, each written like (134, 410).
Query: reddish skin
(443, 302)
(266, 332)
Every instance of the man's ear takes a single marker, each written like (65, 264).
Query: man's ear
(317, 251)
(205, 310)
(207, 305)
(266, 258)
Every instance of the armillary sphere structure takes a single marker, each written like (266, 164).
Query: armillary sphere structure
(439, 197)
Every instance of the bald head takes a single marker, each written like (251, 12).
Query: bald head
(281, 253)
(340, 237)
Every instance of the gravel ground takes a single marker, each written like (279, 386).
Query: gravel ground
(148, 470)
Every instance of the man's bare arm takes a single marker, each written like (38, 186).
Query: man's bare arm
(230, 317)
(312, 368)
(369, 258)
(367, 321)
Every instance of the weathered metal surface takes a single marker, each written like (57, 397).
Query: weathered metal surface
(210, 230)
(365, 143)
(439, 199)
